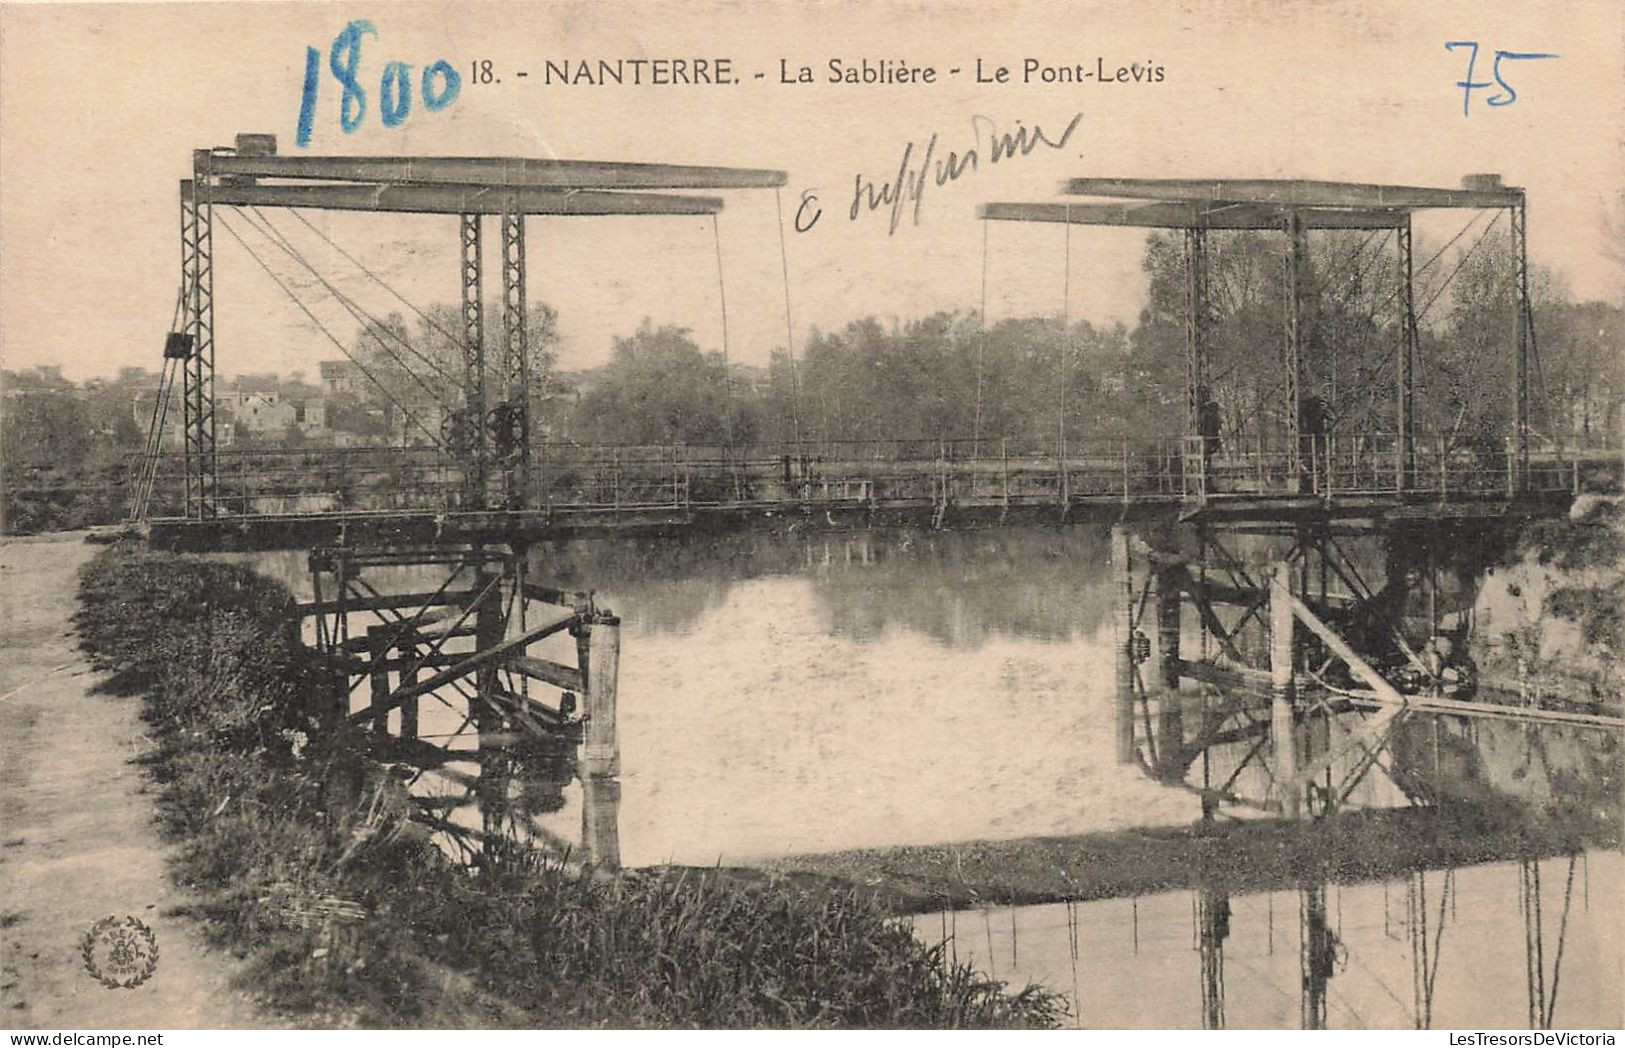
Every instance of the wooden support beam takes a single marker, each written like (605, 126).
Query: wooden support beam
(1475, 708)
(1358, 665)
(550, 595)
(471, 664)
(386, 601)
(560, 676)
(402, 638)
(1242, 677)
(544, 717)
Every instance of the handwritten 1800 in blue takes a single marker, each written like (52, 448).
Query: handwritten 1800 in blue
(438, 87)
(1504, 95)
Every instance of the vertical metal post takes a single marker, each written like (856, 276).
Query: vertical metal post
(1404, 407)
(1297, 260)
(1520, 354)
(1195, 328)
(516, 360)
(1283, 722)
(473, 315)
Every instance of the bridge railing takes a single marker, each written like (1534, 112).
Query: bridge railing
(1347, 465)
(292, 482)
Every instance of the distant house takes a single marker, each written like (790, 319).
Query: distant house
(311, 415)
(260, 413)
(341, 376)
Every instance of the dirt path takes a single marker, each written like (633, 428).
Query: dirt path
(77, 837)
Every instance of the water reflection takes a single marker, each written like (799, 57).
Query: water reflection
(787, 693)
(1503, 945)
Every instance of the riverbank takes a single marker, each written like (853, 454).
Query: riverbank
(1236, 857)
(301, 858)
(78, 833)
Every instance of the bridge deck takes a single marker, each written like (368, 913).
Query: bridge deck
(275, 497)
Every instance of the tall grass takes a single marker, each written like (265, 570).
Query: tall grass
(304, 861)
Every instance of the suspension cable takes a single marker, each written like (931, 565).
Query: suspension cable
(981, 351)
(359, 314)
(727, 366)
(1066, 329)
(1471, 250)
(433, 437)
(789, 328)
(423, 316)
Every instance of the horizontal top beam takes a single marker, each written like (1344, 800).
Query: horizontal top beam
(1290, 192)
(488, 171)
(458, 200)
(1193, 216)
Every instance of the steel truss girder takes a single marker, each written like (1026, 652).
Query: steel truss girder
(1185, 215)
(1290, 192)
(493, 172)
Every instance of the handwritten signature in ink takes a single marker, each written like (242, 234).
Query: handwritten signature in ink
(905, 194)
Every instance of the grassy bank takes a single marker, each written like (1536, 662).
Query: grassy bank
(1252, 856)
(304, 862)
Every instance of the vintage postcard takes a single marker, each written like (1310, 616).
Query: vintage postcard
(842, 515)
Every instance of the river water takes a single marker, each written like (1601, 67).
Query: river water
(785, 693)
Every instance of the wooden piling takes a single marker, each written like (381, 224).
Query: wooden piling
(1122, 641)
(409, 708)
(600, 820)
(1283, 724)
(378, 677)
(598, 645)
(489, 627)
(1169, 598)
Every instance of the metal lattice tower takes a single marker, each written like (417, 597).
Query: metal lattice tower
(197, 274)
(1404, 407)
(516, 418)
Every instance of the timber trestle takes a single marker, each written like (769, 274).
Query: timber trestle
(478, 682)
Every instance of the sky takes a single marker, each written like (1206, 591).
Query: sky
(101, 106)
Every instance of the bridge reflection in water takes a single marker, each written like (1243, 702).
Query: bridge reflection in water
(1436, 948)
(1431, 842)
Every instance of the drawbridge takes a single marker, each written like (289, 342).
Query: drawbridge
(476, 487)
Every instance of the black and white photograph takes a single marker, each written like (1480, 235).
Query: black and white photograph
(844, 515)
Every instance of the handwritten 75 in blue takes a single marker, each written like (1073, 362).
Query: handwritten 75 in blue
(1504, 95)
(438, 89)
